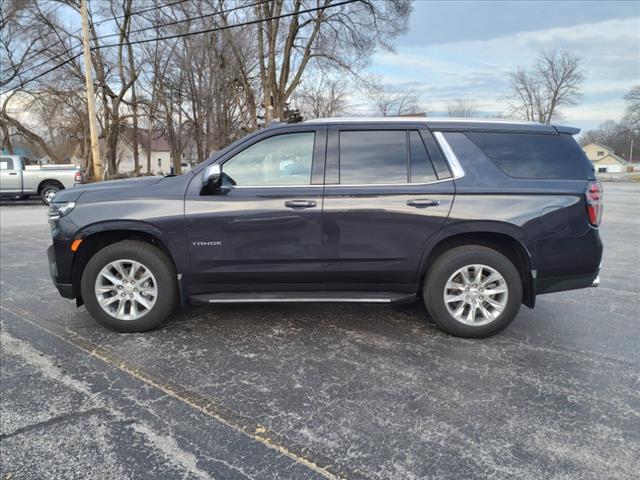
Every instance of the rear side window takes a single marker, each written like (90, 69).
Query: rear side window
(421, 168)
(373, 156)
(526, 155)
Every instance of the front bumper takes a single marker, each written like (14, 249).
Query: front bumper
(65, 289)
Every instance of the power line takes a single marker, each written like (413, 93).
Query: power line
(188, 34)
(117, 17)
(155, 27)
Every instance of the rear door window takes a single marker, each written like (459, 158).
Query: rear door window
(421, 170)
(373, 157)
(528, 155)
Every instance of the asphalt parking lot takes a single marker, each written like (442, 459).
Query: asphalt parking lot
(320, 391)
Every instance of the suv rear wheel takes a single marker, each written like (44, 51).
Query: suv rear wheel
(473, 291)
(129, 286)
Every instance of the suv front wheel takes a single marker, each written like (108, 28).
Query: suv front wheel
(473, 291)
(129, 286)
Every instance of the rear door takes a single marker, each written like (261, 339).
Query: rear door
(385, 196)
(262, 230)
(10, 175)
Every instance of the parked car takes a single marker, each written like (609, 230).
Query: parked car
(476, 217)
(21, 177)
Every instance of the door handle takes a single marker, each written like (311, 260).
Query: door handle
(13, 173)
(423, 203)
(300, 203)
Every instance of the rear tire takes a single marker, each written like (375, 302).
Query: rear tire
(115, 277)
(48, 191)
(473, 291)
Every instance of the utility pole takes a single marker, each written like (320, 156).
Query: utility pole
(93, 127)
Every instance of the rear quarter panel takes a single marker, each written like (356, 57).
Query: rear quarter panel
(547, 216)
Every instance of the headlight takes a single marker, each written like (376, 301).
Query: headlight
(59, 210)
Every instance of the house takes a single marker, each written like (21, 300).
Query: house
(605, 160)
(158, 146)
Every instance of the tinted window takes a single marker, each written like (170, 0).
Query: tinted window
(526, 155)
(281, 160)
(437, 159)
(6, 163)
(373, 156)
(421, 168)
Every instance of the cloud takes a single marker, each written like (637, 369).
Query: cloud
(478, 69)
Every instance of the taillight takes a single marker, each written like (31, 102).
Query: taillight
(593, 197)
(78, 176)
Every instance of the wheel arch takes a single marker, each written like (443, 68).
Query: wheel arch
(97, 236)
(48, 181)
(507, 240)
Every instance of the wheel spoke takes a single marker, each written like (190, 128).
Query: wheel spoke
(106, 301)
(143, 301)
(495, 291)
(112, 278)
(478, 276)
(471, 314)
(455, 286)
(120, 269)
(454, 298)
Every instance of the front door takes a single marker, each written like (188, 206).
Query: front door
(261, 231)
(10, 177)
(384, 200)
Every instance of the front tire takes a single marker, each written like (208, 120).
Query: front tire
(129, 286)
(473, 291)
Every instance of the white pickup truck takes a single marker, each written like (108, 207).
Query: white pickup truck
(21, 177)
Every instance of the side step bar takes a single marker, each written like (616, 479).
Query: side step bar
(303, 297)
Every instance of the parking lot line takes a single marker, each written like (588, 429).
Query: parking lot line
(202, 404)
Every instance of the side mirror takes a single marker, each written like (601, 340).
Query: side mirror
(211, 178)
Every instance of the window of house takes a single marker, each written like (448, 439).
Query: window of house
(159, 163)
(279, 160)
(600, 153)
(373, 156)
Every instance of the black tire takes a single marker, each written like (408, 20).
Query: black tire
(154, 260)
(48, 190)
(446, 265)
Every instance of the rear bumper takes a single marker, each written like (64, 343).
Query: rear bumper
(65, 289)
(560, 284)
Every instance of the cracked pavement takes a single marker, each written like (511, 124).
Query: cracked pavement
(320, 391)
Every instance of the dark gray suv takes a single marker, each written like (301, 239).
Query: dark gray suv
(476, 217)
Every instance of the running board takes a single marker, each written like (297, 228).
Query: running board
(303, 297)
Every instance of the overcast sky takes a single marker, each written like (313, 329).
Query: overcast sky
(466, 49)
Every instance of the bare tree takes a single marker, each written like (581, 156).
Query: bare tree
(462, 107)
(389, 102)
(554, 82)
(321, 97)
(632, 115)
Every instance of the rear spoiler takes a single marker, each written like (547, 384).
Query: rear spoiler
(569, 130)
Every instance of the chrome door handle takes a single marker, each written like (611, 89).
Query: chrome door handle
(423, 203)
(300, 203)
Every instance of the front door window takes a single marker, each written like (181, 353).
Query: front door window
(280, 160)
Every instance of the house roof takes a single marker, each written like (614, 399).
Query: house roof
(159, 142)
(598, 145)
(612, 156)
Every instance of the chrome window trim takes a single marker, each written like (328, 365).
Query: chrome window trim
(320, 185)
(454, 164)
